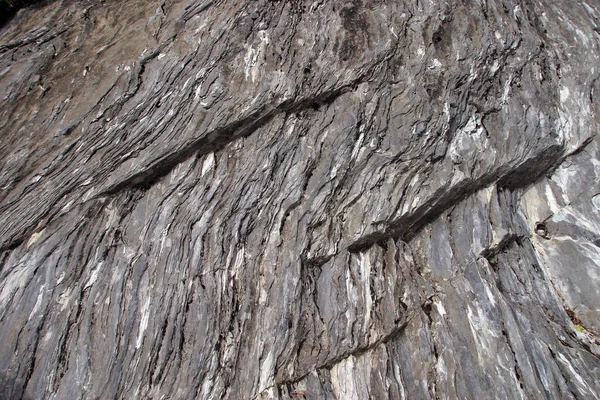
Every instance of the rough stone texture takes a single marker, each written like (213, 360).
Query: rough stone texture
(300, 199)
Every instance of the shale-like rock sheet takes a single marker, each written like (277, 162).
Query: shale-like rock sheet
(300, 199)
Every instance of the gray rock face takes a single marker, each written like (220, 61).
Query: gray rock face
(300, 199)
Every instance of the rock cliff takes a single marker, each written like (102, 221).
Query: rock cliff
(300, 199)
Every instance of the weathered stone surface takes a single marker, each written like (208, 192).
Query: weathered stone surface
(300, 199)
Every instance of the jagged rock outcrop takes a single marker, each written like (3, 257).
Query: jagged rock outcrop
(300, 199)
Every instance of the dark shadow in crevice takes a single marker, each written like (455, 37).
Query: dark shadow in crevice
(8, 8)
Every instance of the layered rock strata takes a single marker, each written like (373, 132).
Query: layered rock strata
(300, 199)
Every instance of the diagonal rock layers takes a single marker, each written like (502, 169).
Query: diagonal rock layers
(300, 199)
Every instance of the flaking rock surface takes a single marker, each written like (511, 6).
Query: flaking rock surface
(300, 199)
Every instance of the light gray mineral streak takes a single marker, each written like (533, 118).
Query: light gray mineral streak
(300, 199)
